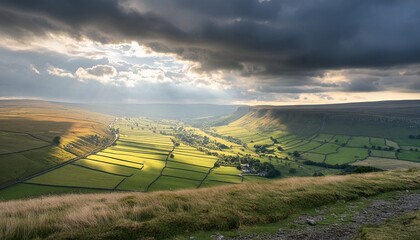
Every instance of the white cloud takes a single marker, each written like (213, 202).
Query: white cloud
(34, 69)
(101, 73)
(55, 71)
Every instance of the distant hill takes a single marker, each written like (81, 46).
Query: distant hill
(380, 119)
(184, 112)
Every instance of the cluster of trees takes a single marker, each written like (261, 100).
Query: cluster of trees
(346, 168)
(96, 140)
(263, 149)
(249, 165)
(373, 147)
(115, 130)
(198, 140)
(275, 141)
(56, 140)
(228, 138)
(414, 136)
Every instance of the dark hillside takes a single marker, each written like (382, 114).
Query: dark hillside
(380, 119)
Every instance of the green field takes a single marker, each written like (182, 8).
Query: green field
(214, 177)
(378, 142)
(326, 149)
(314, 157)
(173, 183)
(171, 172)
(23, 190)
(409, 155)
(387, 164)
(382, 153)
(359, 142)
(347, 155)
(74, 176)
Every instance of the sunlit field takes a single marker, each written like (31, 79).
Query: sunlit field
(28, 129)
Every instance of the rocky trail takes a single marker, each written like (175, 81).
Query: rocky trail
(332, 222)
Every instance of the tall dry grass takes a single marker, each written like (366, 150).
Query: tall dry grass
(165, 214)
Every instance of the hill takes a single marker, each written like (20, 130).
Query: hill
(184, 112)
(35, 135)
(378, 119)
(166, 214)
(379, 134)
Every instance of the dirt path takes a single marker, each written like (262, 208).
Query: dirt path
(345, 225)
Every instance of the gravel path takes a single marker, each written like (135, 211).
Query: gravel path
(377, 212)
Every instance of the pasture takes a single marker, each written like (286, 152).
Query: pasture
(321, 147)
(386, 164)
(27, 130)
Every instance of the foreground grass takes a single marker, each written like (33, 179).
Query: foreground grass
(166, 214)
(403, 227)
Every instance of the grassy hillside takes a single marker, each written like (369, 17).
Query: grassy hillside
(329, 135)
(403, 227)
(166, 214)
(28, 129)
(381, 119)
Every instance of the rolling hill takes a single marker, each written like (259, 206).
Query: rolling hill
(36, 135)
(378, 119)
(378, 134)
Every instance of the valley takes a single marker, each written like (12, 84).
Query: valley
(152, 154)
(261, 153)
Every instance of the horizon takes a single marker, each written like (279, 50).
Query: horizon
(249, 52)
(204, 103)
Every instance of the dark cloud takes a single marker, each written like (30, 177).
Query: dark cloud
(281, 36)
(363, 85)
(278, 46)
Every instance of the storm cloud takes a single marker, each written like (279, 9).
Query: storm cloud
(261, 47)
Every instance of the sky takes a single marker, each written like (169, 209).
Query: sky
(210, 51)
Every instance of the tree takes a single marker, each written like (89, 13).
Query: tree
(292, 170)
(272, 173)
(296, 154)
(56, 140)
(318, 174)
(172, 155)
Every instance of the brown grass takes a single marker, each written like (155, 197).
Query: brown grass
(165, 214)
